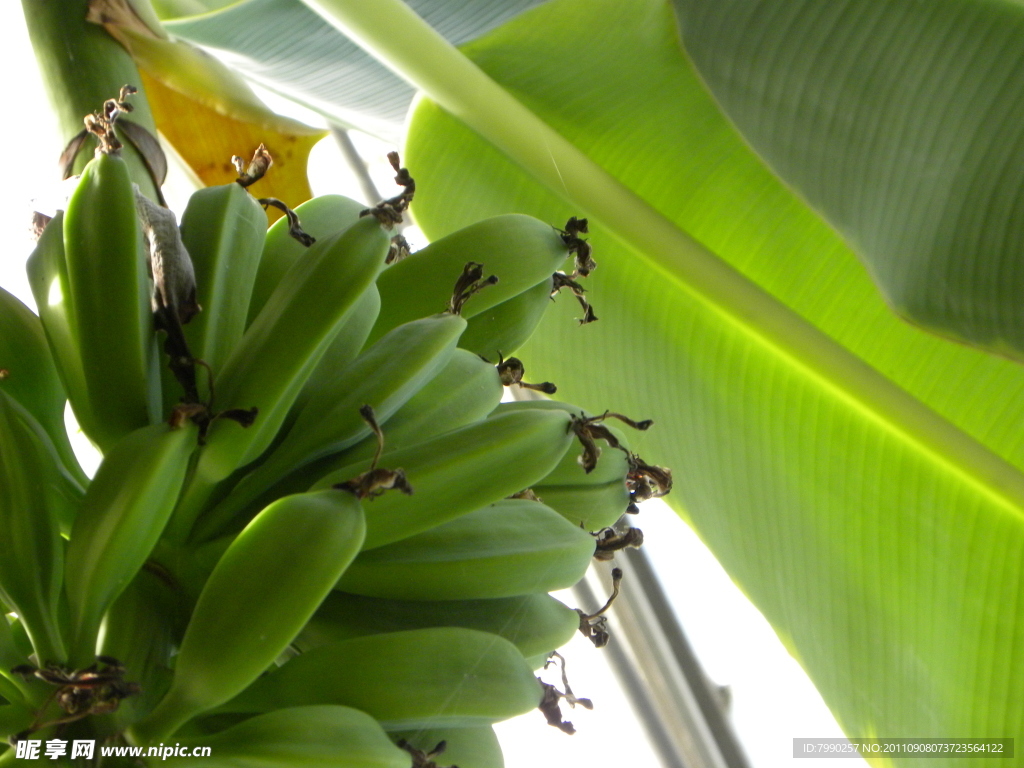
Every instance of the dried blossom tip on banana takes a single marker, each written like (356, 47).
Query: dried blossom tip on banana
(588, 430)
(511, 372)
(594, 626)
(376, 480)
(577, 246)
(421, 759)
(470, 282)
(609, 542)
(294, 225)
(101, 124)
(256, 169)
(549, 702)
(560, 280)
(389, 212)
(399, 249)
(646, 481)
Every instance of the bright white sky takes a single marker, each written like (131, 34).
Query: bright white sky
(772, 700)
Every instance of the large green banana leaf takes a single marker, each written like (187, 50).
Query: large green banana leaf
(860, 479)
(901, 122)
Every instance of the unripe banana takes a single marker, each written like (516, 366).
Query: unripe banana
(13, 687)
(535, 624)
(124, 512)
(590, 507)
(141, 630)
(512, 547)
(48, 277)
(422, 678)
(31, 549)
(520, 250)
(320, 217)
(30, 376)
(465, 391)
(343, 350)
(279, 351)
(261, 593)
(505, 327)
(469, 747)
(461, 471)
(223, 229)
(385, 376)
(324, 736)
(15, 718)
(109, 306)
(283, 345)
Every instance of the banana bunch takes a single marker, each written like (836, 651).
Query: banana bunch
(317, 537)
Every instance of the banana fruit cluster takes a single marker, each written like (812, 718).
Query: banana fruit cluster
(235, 574)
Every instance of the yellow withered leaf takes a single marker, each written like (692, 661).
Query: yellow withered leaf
(207, 139)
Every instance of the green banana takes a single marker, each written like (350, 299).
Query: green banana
(321, 217)
(461, 471)
(505, 327)
(31, 377)
(223, 229)
(343, 350)
(141, 630)
(468, 747)
(512, 547)
(466, 390)
(15, 718)
(12, 686)
(261, 593)
(324, 736)
(590, 507)
(109, 305)
(279, 351)
(63, 491)
(420, 678)
(48, 278)
(31, 550)
(124, 512)
(591, 500)
(535, 624)
(282, 346)
(385, 376)
(520, 250)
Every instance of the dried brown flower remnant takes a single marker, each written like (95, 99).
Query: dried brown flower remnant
(511, 372)
(609, 542)
(594, 626)
(376, 480)
(470, 282)
(549, 703)
(389, 212)
(256, 169)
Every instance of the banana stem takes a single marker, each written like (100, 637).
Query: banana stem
(82, 66)
(393, 33)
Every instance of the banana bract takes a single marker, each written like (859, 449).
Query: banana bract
(265, 591)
